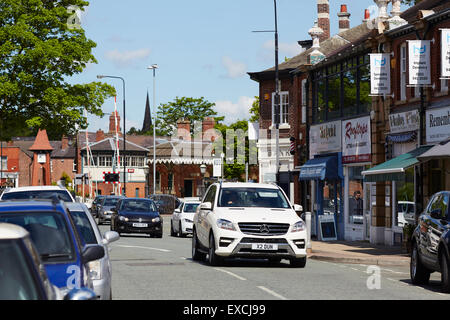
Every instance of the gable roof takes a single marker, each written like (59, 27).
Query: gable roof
(41, 142)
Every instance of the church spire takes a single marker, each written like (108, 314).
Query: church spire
(147, 117)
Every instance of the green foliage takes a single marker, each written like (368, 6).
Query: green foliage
(67, 180)
(194, 109)
(38, 53)
(254, 110)
(235, 170)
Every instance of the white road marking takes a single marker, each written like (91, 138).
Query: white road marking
(279, 296)
(230, 273)
(139, 247)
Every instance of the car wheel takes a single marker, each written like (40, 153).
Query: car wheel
(172, 232)
(196, 255)
(180, 231)
(298, 262)
(445, 282)
(213, 258)
(419, 274)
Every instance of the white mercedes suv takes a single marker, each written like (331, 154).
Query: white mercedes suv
(249, 220)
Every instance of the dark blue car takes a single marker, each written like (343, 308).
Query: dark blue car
(137, 215)
(54, 234)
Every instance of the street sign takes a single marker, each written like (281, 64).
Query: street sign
(217, 167)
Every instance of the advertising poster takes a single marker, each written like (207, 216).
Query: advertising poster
(356, 140)
(419, 62)
(380, 74)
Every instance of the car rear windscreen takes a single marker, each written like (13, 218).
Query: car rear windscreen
(37, 194)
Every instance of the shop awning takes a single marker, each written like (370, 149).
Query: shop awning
(394, 169)
(319, 169)
(439, 151)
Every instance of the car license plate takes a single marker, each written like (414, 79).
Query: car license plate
(140, 225)
(264, 246)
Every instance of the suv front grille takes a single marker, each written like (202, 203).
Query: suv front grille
(261, 229)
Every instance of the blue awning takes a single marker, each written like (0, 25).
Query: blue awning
(322, 168)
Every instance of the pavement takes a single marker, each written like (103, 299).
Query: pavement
(358, 252)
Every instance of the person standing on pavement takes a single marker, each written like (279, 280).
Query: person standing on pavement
(356, 204)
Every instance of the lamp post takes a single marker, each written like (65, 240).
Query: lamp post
(203, 171)
(124, 132)
(154, 67)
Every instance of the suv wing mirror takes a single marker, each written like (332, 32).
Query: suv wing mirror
(206, 206)
(298, 208)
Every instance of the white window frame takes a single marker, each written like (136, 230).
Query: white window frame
(444, 85)
(304, 102)
(4, 160)
(403, 67)
(284, 107)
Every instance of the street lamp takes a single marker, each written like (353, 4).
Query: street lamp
(154, 67)
(124, 132)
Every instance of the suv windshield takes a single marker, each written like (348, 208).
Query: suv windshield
(252, 197)
(15, 278)
(37, 194)
(48, 231)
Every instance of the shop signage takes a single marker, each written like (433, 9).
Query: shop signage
(356, 142)
(438, 124)
(325, 138)
(380, 73)
(404, 121)
(445, 54)
(419, 62)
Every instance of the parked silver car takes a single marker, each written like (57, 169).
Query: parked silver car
(99, 270)
(104, 208)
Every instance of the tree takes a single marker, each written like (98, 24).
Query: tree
(254, 110)
(39, 51)
(235, 170)
(190, 108)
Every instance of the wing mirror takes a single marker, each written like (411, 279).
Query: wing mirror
(206, 206)
(436, 214)
(110, 236)
(92, 253)
(298, 208)
(80, 294)
(177, 210)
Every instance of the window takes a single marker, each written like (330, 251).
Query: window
(304, 100)
(342, 89)
(210, 195)
(444, 85)
(4, 163)
(284, 107)
(158, 181)
(355, 201)
(403, 72)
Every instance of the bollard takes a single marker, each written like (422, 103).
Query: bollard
(308, 230)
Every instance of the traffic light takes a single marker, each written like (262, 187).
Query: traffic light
(111, 177)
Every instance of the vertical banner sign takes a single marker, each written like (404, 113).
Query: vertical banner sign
(380, 73)
(419, 62)
(445, 54)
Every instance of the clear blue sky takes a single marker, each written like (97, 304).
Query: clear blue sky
(204, 48)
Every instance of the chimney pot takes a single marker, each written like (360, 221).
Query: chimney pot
(343, 8)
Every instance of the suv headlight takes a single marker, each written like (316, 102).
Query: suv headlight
(157, 219)
(225, 224)
(122, 218)
(299, 226)
(95, 270)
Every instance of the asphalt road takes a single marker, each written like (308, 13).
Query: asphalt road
(147, 268)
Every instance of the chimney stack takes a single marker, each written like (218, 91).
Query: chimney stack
(366, 15)
(64, 142)
(112, 123)
(323, 14)
(344, 19)
(184, 129)
(99, 135)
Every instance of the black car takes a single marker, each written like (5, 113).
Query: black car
(430, 242)
(166, 203)
(95, 203)
(137, 215)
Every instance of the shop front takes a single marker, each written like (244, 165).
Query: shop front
(356, 157)
(324, 172)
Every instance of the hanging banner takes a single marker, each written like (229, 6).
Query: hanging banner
(380, 73)
(445, 54)
(419, 62)
(356, 140)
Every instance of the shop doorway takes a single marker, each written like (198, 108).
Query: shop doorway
(369, 202)
(188, 188)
